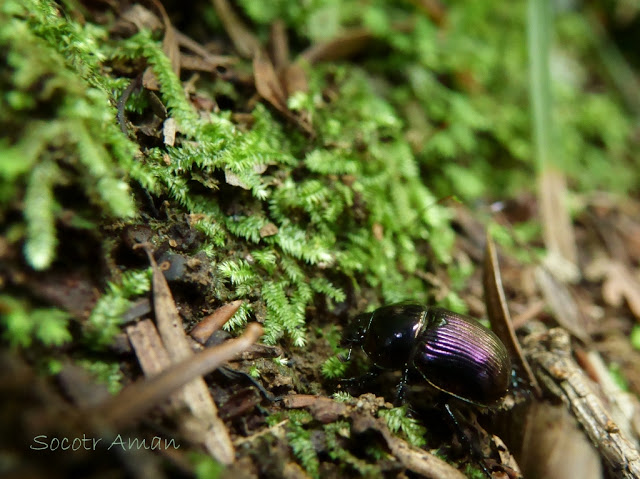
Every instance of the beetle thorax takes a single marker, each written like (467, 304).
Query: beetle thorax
(391, 338)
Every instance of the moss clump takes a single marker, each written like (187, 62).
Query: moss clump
(24, 323)
(286, 218)
(59, 128)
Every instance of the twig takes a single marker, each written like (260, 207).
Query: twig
(142, 395)
(205, 328)
(550, 355)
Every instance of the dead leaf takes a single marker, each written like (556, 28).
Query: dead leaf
(169, 41)
(267, 82)
(141, 17)
(294, 78)
(234, 180)
(197, 396)
(169, 46)
(149, 80)
(279, 45)
(559, 299)
(245, 42)
(169, 131)
(350, 42)
(619, 283)
(269, 229)
(270, 88)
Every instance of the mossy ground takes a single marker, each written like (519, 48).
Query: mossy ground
(243, 204)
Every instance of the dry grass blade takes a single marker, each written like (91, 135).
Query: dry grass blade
(556, 223)
(552, 188)
(205, 57)
(204, 64)
(498, 312)
(196, 393)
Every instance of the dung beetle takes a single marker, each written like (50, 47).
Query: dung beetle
(454, 353)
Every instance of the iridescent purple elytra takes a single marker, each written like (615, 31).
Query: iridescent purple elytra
(458, 355)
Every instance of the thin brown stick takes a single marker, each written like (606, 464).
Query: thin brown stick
(136, 399)
(212, 323)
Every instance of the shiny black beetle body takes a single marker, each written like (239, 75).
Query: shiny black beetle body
(452, 352)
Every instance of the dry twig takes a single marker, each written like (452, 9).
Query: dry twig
(550, 355)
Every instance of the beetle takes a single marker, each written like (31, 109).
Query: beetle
(454, 353)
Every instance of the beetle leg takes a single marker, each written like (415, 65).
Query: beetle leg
(360, 381)
(232, 374)
(462, 434)
(349, 355)
(402, 387)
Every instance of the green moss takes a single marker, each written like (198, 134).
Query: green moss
(105, 320)
(23, 324)
(335, 434)
(334, 368)
(615, 371)
(397, 420)
(107, 373)
(299, 438)
(58, 121)
(205, 466)
(342, 396)
(290, 220)
(291, 224)
(635, 337)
